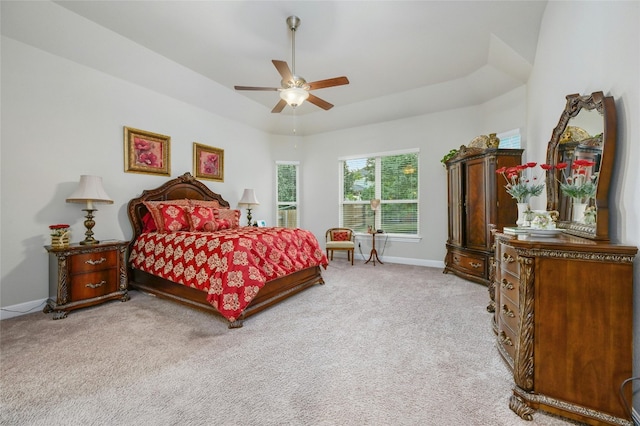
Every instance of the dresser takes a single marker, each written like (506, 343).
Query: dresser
(477, 198)
(563, 321)
(86, 275)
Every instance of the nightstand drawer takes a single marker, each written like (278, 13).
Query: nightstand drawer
(94, 284)
(89, 262)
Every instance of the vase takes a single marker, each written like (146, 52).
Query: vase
(523, 208)
(577, 210)
(60, 240)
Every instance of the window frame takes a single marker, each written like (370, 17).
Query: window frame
(288, 203)
(378, 191)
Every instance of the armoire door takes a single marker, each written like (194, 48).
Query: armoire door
(456, 211)
(476, 219)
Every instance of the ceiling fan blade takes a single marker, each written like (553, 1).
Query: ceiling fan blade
(272, 89)
(319, 102)
(283, 69)
(279, 106)
(321, 84)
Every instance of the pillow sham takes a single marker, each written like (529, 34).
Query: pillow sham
(199, 216)
(174, 218)
(157, 215)
(214, 204)
(230, 215)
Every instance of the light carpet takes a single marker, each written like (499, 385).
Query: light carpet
(376, 345)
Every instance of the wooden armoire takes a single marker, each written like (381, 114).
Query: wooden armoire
(478, 201)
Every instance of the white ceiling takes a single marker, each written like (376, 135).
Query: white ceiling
(403, 58)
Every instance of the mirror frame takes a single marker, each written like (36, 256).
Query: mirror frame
(605, 105)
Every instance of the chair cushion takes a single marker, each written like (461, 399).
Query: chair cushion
(340, 235)
(340, 245)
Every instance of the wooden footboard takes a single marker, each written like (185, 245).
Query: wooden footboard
(273, 292)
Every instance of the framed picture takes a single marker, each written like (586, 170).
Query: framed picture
(208, 162)
(261, 223)
(146, 152)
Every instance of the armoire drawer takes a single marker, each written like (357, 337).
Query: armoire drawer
(469, 263)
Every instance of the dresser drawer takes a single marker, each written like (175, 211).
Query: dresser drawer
(93, 284)
(508, 286)
(508, 259)
(89, 262)
(474, 265)
(507, 339)
(508, 314)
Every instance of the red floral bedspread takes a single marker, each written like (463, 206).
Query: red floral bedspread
(230, 265)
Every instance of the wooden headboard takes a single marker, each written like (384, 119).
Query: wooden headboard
(185, 186)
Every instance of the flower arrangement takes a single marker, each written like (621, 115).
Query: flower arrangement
(521, 183)
(581, 185)
(58, 230)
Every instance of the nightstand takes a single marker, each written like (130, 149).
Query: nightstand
(86, 275)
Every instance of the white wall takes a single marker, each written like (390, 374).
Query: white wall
(434, 135)
(586, 47)
(61, 120)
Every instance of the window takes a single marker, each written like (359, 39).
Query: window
(510, 139)
(390, 177)
(287, 190)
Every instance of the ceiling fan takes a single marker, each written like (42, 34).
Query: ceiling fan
(294, 89)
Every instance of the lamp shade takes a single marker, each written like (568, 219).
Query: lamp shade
(90, 190)
(375, 203)
(249, 197)
(294, 96)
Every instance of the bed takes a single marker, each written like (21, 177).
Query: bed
(264, 286)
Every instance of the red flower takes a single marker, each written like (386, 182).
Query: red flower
(141, 144)
(561, 166)
(546, 166)
(59, 226)
(532, 164)
(148, 158)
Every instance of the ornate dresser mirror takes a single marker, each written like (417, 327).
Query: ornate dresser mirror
(586, 132)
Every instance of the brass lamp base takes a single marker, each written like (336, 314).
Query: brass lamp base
(89, 223)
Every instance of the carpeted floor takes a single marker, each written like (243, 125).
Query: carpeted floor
(383, 345)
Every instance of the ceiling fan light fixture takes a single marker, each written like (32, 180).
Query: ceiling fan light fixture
(294, 96)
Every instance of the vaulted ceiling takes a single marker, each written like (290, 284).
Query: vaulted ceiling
(403, 58)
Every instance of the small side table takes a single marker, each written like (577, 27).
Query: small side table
(86, 275)
(374, 253)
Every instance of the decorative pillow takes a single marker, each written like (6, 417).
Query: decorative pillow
(214, 204)
(174, 218)
(223, 224)
(148, 224)
(154, 209)
(231, 215)
(211, 226)
(199, 216)
(340, 236)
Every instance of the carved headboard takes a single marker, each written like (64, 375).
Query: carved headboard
(185, 186)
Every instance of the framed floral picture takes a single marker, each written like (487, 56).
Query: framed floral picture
(208, 162)
(146, 152)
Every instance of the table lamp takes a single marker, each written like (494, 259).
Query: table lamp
(89, 191)
(249, 199)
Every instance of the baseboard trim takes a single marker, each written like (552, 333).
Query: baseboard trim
(21, 309)
(405, 261)
(33, 306)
